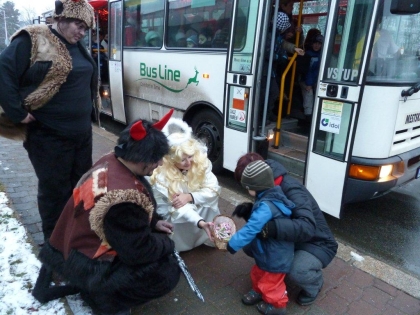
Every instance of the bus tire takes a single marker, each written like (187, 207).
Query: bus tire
(207, 126)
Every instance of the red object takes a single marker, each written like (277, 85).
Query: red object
(161, 123)
(137, 131)
(278, 180)
(270, 285)
(238, 104)
(98, 4)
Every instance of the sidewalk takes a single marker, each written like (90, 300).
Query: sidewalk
(354, 283)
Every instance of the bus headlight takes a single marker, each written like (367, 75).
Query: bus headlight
(365, 172)
(386, 170)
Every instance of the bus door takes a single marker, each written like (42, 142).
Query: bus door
(116, 60)
(337, 104)
(240, 79)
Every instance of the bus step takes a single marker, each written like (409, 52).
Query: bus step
(292, 139)
(289, 123)
(293, 160)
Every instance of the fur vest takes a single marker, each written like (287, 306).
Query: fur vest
(49, 67)
(80, 226)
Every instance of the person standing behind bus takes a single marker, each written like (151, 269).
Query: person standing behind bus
(286, 6)
(309, 76)
(315, 245)
(48, 83)
(103, 58)
(186, 190)
(281, 50)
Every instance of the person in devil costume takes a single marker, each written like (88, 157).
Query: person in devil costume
(109, 243)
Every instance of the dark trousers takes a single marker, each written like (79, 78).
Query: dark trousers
(306, 272)
(59, 162)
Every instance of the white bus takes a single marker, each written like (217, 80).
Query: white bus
(207, 58)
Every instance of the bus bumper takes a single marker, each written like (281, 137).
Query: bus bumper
(408, 169)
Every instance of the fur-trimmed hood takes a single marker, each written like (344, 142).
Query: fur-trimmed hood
(111, 198)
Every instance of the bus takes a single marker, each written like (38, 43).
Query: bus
(209, 60)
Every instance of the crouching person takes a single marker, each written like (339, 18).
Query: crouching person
(273, 257)
(109, 244)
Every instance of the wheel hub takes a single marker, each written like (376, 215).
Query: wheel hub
(209, 135)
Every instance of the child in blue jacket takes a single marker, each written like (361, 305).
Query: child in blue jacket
(273, 257)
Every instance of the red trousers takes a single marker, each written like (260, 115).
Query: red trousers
(270, 285)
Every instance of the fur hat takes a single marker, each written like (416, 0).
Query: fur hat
(257, 176)
(75, 9)
(283, 22)
(177, 131)
(143, 141)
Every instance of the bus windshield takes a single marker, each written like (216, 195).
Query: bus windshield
(395, 55)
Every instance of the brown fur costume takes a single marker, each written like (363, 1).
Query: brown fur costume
(46, 47)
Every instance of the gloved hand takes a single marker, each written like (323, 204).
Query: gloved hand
(269, 231)
(243, 210)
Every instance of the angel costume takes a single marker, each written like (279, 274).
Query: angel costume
(186, 233)
(168, 179)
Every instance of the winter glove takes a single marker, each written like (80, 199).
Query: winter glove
(230, 249)
(269, 231)
(243, 210)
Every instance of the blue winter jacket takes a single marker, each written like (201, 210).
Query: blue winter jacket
(311, 76)
(270, 255)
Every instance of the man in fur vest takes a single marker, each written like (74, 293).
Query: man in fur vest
(109, 244)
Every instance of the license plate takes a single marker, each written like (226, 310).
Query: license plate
(418, 172)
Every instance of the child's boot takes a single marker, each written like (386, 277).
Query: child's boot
(268, 309)
(251, 298)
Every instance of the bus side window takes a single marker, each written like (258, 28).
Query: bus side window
(194, 25)
(221, 37)
(144, 23)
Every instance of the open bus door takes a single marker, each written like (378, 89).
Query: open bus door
(337, 105)
(116, 72)
(240, 113)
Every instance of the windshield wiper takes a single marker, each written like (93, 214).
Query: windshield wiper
(414, 89)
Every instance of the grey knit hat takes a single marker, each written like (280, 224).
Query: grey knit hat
(257, 176)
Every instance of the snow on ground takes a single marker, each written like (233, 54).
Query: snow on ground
(19, 268)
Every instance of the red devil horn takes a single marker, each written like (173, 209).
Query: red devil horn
(161, 123)
(137, 131)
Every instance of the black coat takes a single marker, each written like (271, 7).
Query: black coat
(308, 228)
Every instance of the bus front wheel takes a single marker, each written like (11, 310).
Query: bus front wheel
(208, 127)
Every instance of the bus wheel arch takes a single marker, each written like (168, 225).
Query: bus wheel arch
(207, 125)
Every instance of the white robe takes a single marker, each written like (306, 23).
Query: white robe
(186, 233)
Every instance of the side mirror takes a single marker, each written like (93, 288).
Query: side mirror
(405, 6)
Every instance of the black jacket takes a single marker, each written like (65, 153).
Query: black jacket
(308, 228)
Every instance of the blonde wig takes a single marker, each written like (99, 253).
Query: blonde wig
(194, 178)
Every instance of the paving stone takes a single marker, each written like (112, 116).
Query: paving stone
(361, 307)
(406, 303)
(377, 297)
